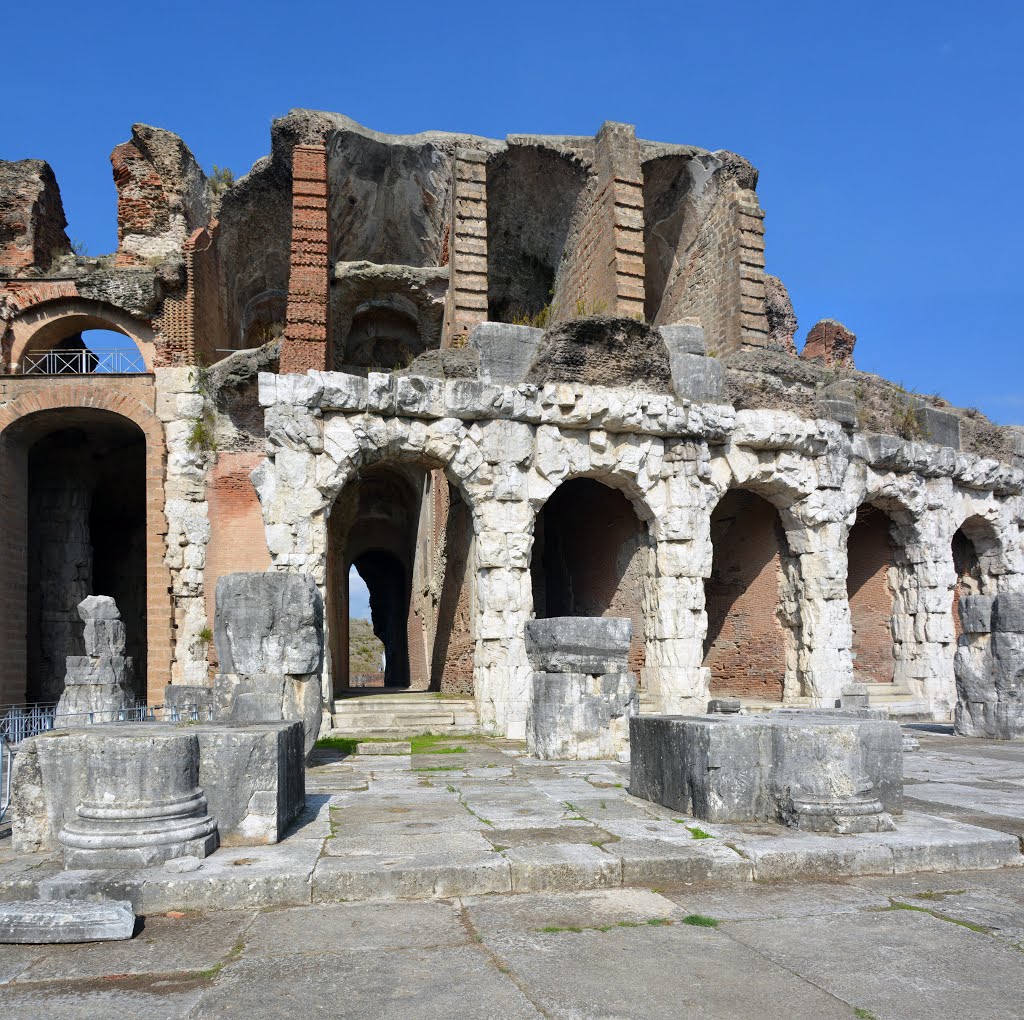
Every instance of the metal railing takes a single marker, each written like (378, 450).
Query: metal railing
(110, 360)
(19, 722)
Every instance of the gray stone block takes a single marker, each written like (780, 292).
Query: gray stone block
(184, 698)
(724, 706)
(506, 351)
(384, 747)
(976, 614)
(562, 867)
(1008, 613)
(684, 338)
(695, 377)
(253, 778)
(579, 716)
(822, 772)
(854, 696)
(842, 411)
(939, 427)
(579, 644)
(63, 921)
(268, 623)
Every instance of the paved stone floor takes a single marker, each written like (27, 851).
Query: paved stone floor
(623, 909)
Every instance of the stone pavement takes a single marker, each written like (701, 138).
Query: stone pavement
(921, 946)
(473, 816)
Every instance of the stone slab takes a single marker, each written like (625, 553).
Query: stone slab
(579, 644)
(384, 747)
(59, 921)
(562, 867)
(416, 876)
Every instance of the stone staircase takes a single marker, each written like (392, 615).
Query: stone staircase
(899, 701)
(402, 713)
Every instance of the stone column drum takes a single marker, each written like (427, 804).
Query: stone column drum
(143, 804)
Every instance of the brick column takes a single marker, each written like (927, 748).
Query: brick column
(306, 341)
(466, 302)
(620, 203)
(749, 221)
(604, 269)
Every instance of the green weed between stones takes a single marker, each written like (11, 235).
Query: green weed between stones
(864, 1014)
(652, 922)
(700, 921)
(969, 925)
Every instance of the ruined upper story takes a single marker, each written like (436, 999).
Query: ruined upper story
(352, 250)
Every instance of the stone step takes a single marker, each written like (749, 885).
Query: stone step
(37, 922)
(403, 714)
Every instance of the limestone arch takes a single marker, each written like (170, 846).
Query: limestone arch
(45, 407)
(45, 324)
(573, 569)
(409, 446)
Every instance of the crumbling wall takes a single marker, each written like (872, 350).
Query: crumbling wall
(32, 222)
(704, 246)
(537, 199)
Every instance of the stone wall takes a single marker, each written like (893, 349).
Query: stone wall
(508, 448)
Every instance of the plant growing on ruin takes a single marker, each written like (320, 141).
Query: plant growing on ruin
(79, 247)
(201, 437)
(903, 407)
(220, 180)
(205, 635)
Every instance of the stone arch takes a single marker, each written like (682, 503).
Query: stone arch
(44, 325)
(593, 555)
(443, 459)
(44, 407)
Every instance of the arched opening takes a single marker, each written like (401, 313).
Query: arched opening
(85, 528)
(384, 335)
(399, 582)
(870, 587)
(592, 557)
(752, 637)
(79, 338)
(974, 549)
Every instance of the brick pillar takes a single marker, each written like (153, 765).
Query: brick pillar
(620, 205)
(466, 302)
(749, 221)
(306, 342)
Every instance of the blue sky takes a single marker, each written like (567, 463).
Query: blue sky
(888, 135)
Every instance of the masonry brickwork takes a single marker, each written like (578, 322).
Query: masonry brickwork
(496, 502)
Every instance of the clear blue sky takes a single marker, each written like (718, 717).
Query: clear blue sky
(888, 135)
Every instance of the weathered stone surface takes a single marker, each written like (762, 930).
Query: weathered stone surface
(695, 377)
(384, 747)
(506, 351)
(32, 222)
(989, 668)
(579, 644)
(252, 777)
(937, 426)
(269, 633)
(577, 715)
(39, 922)
(976, 613)
(268, 623)
(99, 685)
(142, 802)
(782, 321)
(817, 772)
(832, 342)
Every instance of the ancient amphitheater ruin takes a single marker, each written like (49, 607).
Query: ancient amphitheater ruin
(504, 380)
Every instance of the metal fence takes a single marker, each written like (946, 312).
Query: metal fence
(113, 360)
(19, 722)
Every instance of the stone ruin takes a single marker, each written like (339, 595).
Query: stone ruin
(510, 382)
(990, 667)
(99, 685)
